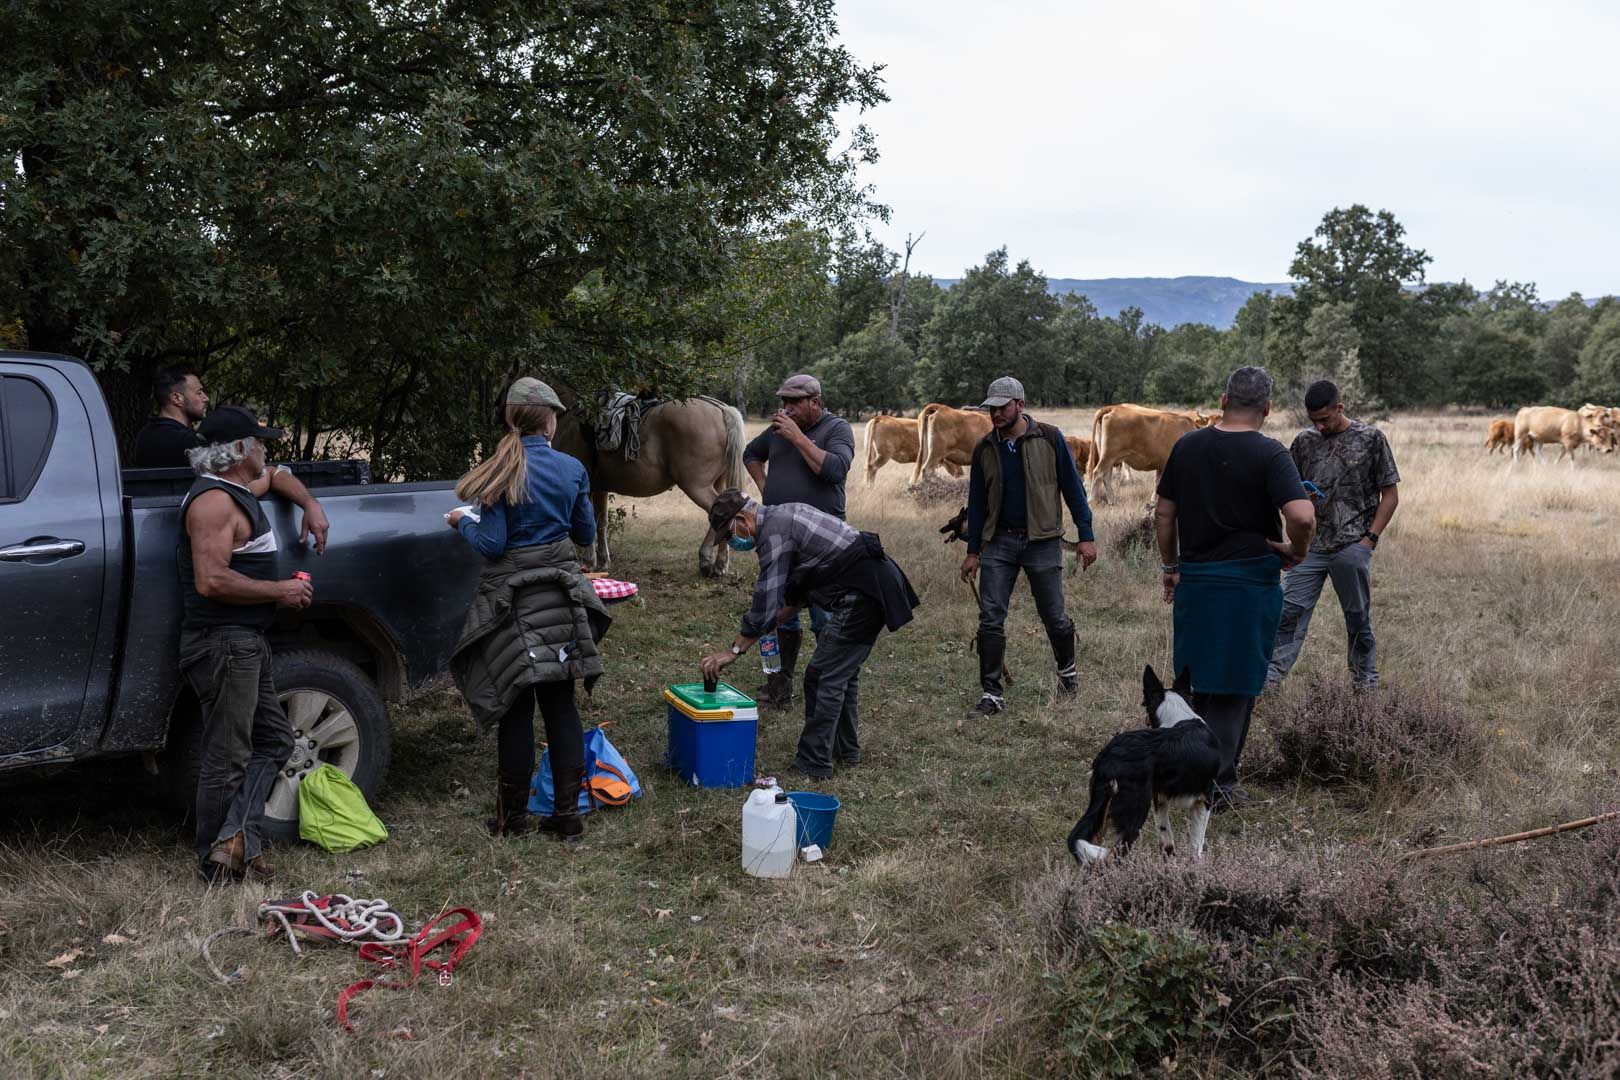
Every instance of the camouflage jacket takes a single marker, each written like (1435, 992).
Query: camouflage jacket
(1350, 468)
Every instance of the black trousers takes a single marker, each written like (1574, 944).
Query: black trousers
(565, 736)
(1228, 717)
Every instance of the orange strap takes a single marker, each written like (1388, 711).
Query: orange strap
(603, 794)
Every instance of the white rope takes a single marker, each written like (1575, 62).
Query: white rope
(362, 920)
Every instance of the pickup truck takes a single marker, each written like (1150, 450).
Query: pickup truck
(90, 599)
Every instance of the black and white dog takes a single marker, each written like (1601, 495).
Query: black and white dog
(1172, 763)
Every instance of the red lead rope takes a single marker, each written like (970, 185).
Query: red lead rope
(413, 954)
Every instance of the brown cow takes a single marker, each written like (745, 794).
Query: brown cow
(1081, 448)
(946, 436)
(893, 438)
(1598, 423)
(1197, 416)
(1500, 436)
(1537, 425)
(1137, 437)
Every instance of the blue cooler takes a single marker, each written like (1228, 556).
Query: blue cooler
(711, 736)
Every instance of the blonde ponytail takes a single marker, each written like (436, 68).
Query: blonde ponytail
(505, 475)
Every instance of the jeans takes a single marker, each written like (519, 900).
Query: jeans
(818, 621)
(832, 685)
(1042, 563)
(565, 736)
(246, 737)
(1350, 569)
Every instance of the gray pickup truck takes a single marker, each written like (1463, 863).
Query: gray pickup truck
(90, 600)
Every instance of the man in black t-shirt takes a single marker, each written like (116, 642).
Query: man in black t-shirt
(166, 441)
(181, 404)
(1223, 549)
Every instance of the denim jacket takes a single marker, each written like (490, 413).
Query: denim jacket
(559, 506)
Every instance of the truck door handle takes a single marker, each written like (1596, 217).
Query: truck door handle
(45, 547)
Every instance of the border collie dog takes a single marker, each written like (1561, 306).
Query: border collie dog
(1172, 762)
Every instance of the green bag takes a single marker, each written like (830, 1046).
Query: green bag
(332, 814)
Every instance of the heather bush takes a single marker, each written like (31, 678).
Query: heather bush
(1534, 990)
(1396, 737)
(1340, 962)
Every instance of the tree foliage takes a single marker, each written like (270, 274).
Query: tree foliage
(996, 321)
(360, 212)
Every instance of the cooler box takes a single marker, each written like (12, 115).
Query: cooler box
(711, 736)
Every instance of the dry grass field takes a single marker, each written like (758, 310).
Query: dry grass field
(947, 934)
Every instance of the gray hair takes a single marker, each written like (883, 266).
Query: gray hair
(215, 458)
(1248, 388)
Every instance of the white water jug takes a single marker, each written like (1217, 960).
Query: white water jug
(770, 829)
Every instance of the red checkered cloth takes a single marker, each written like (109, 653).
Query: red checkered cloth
(609, 590)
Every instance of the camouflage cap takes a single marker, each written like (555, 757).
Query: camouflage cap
(725, 508)
(531, 391)
(1003, 390)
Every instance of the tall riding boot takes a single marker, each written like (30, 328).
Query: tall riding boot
(791, 641)
(1068, 675)
(563, 821)
(512, 817)
(992, 646)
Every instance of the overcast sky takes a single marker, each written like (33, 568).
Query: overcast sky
(1158, 139)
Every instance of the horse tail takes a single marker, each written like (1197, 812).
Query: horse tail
(734, 445)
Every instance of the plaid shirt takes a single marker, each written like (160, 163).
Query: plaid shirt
(789, 537)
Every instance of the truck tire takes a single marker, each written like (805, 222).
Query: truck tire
(337, 717)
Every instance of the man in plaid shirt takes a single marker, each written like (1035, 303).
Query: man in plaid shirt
(805, 552)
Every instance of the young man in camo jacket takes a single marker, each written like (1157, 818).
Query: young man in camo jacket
(1352, 464)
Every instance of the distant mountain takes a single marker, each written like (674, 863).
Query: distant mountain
(1166, 301)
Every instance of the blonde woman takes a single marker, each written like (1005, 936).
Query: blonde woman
(534, 623)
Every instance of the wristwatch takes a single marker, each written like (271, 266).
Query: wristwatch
(734, 650)
(1370, 535)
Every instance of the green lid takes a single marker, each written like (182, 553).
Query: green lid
(725, 696)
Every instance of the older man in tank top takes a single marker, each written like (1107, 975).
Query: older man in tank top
(227, 561)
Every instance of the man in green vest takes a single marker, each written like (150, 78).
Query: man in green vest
(1022, 476)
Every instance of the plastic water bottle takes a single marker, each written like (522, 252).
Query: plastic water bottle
(770, 653)
(770, 829)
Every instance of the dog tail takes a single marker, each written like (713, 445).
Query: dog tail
(1091, 822)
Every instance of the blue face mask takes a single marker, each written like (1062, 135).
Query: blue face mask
(741, 543)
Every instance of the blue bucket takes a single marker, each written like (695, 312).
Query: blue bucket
(816, 813)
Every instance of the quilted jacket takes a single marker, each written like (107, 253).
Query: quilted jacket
(534, 619)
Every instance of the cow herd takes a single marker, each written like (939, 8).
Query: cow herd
(1597, 427)
(1122, 436)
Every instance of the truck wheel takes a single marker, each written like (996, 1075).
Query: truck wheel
(338, 718)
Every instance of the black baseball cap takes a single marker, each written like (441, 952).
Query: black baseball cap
(231, 422)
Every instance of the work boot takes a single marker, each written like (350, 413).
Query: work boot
(512, 817)
(563, 822)
(228, 855)
(1063, 654)
(259, 868)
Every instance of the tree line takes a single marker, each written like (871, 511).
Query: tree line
(1361, 313)
(365, 218)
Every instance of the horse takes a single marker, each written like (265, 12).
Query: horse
(694, 444)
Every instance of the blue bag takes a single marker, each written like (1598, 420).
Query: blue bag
(609, 780)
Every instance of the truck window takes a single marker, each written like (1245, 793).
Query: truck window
(27, 425)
